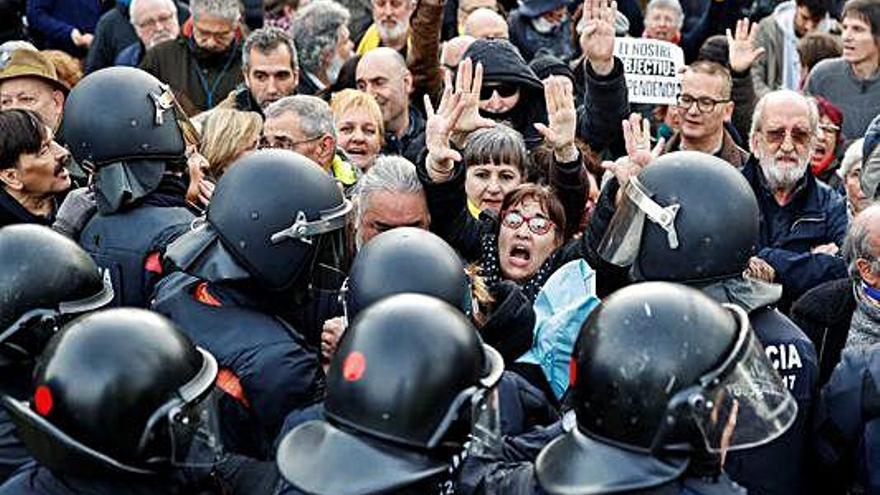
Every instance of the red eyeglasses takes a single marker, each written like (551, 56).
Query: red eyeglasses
(538, 225)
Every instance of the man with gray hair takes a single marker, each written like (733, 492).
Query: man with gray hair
(803, 221)
(270, 68)
(663, 20)
(862, 252)
(203, 67)
(320, 30)
(154, 21)
(388, 196)
(304, 124)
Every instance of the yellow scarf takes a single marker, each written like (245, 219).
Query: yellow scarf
(372, 40)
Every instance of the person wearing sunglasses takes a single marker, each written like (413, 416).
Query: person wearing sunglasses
(803, 220)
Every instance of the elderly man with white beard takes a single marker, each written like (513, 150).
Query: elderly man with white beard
(803, 221)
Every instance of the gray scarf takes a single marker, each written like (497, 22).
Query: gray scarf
(865, 327)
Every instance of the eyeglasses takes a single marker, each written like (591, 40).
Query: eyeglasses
(833, 129)
(162, 20)
(217, 36)
(504, 91)
(776, 137)
(283, 142)
(705, 104)
(538, 225)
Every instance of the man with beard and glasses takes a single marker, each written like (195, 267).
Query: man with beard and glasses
(271, 71)
(204, 65)
(803, 221)
(320, 31)
(390, 26)
(154, 21)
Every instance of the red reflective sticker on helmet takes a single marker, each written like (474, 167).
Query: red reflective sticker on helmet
(572, 372)
(43, 400)
(354, 366)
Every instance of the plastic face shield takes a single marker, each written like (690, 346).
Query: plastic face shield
(741, 405)
(620, 244)
(27, 336)
(186, 429)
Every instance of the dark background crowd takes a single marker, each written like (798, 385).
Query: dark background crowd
(431, 246)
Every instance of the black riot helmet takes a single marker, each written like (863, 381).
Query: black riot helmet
(275, 217)
(47, 280)
(120, 392)
(125, 126)
(659, 371)
(688, 217)
(410, 381)
(405, 259)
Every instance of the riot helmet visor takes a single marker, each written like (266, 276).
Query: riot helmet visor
(620, 244)
(190, 421)
(26, 337)
(740, 405)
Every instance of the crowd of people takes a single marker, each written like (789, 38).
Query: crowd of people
(431, 247)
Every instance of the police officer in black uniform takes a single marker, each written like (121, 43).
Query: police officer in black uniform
(123, 125)
(412, 260)
(410, 384)
(122, 403)
(47, 280)
(663, 382)
(691, 218)
(272, 239)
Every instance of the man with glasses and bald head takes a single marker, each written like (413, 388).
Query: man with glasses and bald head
(803, 221)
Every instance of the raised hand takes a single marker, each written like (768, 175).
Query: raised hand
(468, 82)
(741, 47)
(561, 116)
(637, 139)
(597, 38)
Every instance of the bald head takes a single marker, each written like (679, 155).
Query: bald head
(486, 24)
(384, 56)
(383, 74)
(453, 51)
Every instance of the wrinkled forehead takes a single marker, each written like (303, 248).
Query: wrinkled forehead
(149, 8)
(24, 85)
(786, 112)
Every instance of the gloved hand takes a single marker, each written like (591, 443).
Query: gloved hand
(77, 209)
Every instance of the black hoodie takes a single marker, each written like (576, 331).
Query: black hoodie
(502, 63)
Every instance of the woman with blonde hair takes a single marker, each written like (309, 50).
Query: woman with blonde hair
(227, 135)
(359, 127)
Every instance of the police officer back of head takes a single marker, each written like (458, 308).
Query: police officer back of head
(692, 218)
(405, 259)
(662, 375)
(410, 382)
(123, 402)
(126, 128)
(252, 271)
(47, 281)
